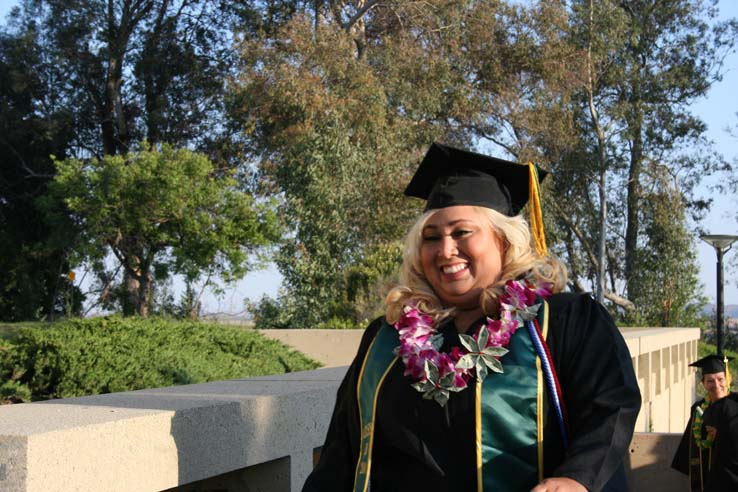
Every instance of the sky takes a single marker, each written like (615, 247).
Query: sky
(719, 110)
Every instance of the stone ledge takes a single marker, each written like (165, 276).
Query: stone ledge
(152, 440)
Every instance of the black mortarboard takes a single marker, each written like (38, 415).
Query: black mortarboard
(711, 364)
(449, 176)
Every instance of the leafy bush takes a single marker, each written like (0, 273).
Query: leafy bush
(103, 355)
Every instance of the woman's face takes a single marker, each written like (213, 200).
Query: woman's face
(460, 255)
(715, 385)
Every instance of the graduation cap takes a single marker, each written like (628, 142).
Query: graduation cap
(448, 176)
(712, 363)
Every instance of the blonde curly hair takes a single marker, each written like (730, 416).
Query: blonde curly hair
(520, 257)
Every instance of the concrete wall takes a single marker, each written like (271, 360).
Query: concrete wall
(256, 434)
(332, 348)
(661, 358)
(648, 463)
(154, 440)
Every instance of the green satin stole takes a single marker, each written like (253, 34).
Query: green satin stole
(509, 451)
(508, 456)
(378, 361)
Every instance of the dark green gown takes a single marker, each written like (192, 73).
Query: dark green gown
(419, 445)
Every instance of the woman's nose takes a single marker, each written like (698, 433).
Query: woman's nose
(448, 247)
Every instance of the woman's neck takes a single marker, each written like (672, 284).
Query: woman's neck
(465, 317)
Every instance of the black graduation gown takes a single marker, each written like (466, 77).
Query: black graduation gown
(723, 415)
(419, 445)
(681, 457)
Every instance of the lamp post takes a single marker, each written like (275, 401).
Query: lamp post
(722, 244)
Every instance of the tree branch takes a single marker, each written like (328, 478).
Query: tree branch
(358, 15)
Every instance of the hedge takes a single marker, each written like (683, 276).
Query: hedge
(111, 354)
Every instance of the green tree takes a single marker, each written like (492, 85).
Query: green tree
(666, 282)
(327, 119)
(161, 212)
(137, 69)
(34, 282)
(646, 63)
(87, 78)
(340, 99)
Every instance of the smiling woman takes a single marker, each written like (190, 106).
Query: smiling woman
(461, 255)
(481, 375)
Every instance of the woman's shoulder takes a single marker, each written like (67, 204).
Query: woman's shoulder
(578, 311)
(568, 301)
(370, 332)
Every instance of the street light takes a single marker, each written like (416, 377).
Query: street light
(722, 245)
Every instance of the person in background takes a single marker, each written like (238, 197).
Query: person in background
(721, 418)
(694, 456)
(482, 375)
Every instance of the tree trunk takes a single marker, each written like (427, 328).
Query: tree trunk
(144, 295)
(634, 121)
(116, 138)
(601, 164)
(130, 300)
(634, 186)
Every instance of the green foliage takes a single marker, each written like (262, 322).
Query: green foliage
(103, 355)
(88, 78)
(14, 392)
(133, 70)
(367, 281)
(33, 283)
(339, 113)
(161, 211)
(331, 111)
(359, 301)
(331, 163)
(665, 288)
(642, 65)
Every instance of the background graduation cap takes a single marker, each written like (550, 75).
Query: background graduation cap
(712, 363)
(448, 176)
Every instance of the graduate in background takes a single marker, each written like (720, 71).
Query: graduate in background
(695, 455)
(722, 418)
(482, 375)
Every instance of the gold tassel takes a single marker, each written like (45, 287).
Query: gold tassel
(728, 379)
(536, 215)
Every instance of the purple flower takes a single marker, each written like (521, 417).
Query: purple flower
(414, 328)
(544, 290)
(414, 367)
(517, 295)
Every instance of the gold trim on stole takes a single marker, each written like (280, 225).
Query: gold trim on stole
(369, 428)
(478, 420)
(539, 412)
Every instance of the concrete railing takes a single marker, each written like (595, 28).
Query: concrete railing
(257, 434)
(661, 358)
(155, 440)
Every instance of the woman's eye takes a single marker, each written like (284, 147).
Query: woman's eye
(460, 233)
(430, 238)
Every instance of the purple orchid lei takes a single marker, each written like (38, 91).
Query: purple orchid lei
(437, 374)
